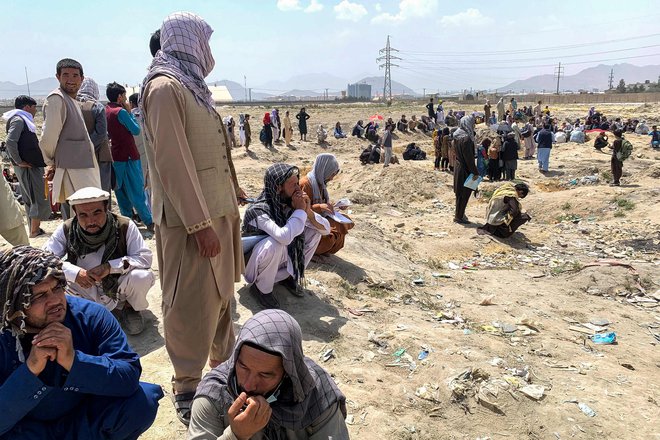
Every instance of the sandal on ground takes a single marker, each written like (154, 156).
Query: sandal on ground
(183, 406)
(39, 233)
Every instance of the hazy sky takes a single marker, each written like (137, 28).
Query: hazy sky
(444, 45)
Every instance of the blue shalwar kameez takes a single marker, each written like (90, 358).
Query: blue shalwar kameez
(100, 398)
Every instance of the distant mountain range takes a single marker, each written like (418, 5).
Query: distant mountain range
(38, 89)
(314, 84)
(588, 79)
(311, 85)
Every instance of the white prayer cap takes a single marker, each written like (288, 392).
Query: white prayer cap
(88, 195)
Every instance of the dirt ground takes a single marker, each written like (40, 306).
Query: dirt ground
(415, 352)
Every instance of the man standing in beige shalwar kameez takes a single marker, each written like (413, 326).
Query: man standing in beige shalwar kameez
(65, 143)
(194, 204)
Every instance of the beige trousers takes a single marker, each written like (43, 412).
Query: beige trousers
(197, 294)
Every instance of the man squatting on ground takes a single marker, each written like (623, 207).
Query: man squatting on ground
(107, 260)
(283, 213)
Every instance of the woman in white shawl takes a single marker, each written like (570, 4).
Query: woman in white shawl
(314, 184)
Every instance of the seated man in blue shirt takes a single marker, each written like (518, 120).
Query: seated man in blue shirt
(66, 370)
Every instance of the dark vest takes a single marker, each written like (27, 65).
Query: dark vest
(28, 145)
(122, 248)
(122, 142)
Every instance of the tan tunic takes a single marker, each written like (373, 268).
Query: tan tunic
(288, 130)
(66, 180)
(193, 187)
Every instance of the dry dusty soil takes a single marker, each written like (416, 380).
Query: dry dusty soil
(411, 283)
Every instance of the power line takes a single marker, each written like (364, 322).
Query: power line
(552, 65)
(535, 50)
(611, 82)
(529, 59)
(388, 57)
(559, 72)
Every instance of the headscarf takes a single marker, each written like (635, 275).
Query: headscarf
(89, 90)
(270, 203)
(466, 128)
(241, 119)
(25, 116)
(325, 166)
(266, 119)
(185, 55)
(307, 390)
(275, 116)
(21, 268)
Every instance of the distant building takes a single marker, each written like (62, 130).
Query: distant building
(359, 91)
(219, 93)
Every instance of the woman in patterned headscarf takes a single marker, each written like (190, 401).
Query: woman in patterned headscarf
(314, 184)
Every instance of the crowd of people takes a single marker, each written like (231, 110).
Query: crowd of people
(66, 308)
(166, 154)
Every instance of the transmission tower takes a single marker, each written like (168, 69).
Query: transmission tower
(387, 57)
(559, 72)
(611, 83)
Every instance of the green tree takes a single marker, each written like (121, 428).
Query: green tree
(635, 88)
(621, 88)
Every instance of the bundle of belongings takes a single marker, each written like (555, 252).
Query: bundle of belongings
(413, 152)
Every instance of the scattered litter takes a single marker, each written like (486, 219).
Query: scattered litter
(440, 275)
(628, 366)
(328, 354)
(581, 329)
(467, 331)
(535, 392)
(586, 409)
(488, 404)
(527, 322)
(487, 301)
(490, 329)
(595, 328)
(509, 328)
(399, 352)
(423, 355)
(379, 340)
(453, 266)
(600, 321)
(604, 338)
(418, 282)
(350, 419)
(429, 392)
(496, 362)
(401, 327)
